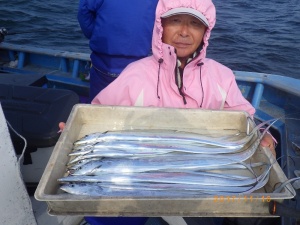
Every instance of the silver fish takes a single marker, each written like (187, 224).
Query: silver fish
(89, 189)
(170, 177)
(96, 190)
(153, 160)
(165, 135)
(282, 186)
(172, 136)
(138, 165)
(108, 165)
(175, 187)
(148, 146)
(82, 162)
(234, 157)
(105, 189)
(113, 154)
(158, 189)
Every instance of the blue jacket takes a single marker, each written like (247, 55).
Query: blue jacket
(120, 31)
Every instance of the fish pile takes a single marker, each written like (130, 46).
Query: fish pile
(164, 163)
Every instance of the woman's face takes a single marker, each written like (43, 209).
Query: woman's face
(184, 32)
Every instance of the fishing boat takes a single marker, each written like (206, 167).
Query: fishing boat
(273, 96)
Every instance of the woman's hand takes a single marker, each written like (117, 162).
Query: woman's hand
(61, 126)
(268, 141)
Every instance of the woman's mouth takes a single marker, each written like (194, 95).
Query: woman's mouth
(182, 44)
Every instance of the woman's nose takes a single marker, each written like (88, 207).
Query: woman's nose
(184, 30)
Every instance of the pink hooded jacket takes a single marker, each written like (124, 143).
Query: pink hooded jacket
(151, 81)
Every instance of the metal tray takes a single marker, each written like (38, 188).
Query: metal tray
(85, 119)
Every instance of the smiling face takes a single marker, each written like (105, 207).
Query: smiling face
(184, 33)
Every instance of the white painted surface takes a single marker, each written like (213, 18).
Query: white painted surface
(15, 204)
(43, 218)
(33, 172)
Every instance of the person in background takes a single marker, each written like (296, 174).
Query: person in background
(119, 33)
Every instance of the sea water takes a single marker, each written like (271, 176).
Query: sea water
(258, 36)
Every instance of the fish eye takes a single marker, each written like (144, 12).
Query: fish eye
(70, 171)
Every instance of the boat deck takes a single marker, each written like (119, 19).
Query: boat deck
(43, 218)
(273, 96)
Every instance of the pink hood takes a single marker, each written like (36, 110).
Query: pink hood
(151, 81)
(206, 7)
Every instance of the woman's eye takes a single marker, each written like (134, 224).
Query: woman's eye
(175, 20)
(196, 23)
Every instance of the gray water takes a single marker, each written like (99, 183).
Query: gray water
(259, 36)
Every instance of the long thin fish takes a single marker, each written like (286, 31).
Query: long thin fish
(155, 147)
(119, 166)
(235, 157)
(150, 190)
(158, 189)
(96, 190)
(88, 165)
(282, 186)
(167, 143)
(166, 135)
(180, 178)
(172, 136)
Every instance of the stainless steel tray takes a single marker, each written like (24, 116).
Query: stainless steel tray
(85, 119)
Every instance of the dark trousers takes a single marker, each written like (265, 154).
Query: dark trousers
(98, 81)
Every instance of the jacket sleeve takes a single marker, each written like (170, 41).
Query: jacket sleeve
(129, 87)
(116, 93)
(236, 101)
(87, 14)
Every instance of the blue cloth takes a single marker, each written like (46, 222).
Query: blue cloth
(98, 81)
(116, 220)
(119, 32)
